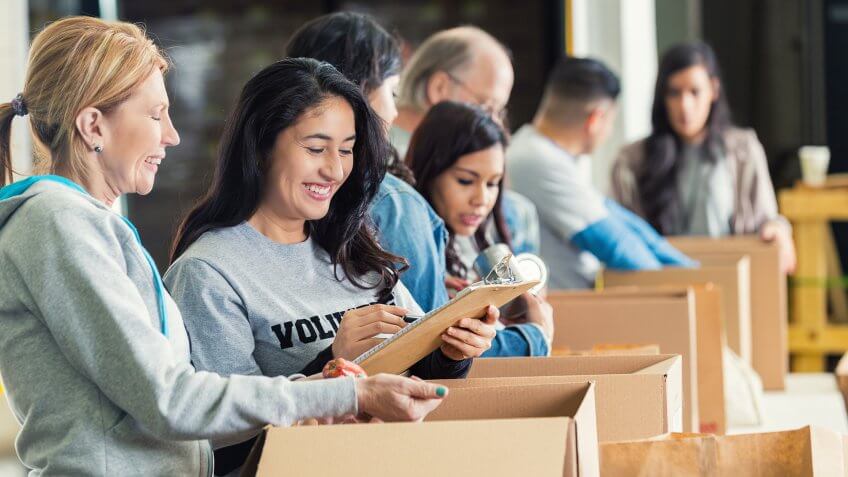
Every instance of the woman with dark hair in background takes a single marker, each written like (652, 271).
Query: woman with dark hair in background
(276, 269)
(407, 226)
(697, 174)
(457, 157)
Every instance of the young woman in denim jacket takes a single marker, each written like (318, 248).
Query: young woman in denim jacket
(457, 156)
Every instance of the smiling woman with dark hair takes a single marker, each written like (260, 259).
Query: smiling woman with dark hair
(406, 226)
(276, 269)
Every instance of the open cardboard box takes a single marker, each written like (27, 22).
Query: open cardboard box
(769, 320)
(498, 448)
(808, 451)
(733, 276)
(492, 429)
(681, 320)
(508, 399)
(635, 396)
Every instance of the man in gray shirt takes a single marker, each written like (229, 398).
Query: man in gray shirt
(580, 229)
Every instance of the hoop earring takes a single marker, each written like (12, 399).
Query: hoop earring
(98, 149)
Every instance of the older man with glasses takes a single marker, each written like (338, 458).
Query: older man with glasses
(464, 64)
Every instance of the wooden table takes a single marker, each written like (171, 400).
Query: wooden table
(811, 336)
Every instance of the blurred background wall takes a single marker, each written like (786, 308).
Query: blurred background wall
(780, 58)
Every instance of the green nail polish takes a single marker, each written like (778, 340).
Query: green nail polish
(441, 391)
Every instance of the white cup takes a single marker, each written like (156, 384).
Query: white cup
(814, 162)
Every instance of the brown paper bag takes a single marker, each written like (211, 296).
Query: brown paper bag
(808, 451)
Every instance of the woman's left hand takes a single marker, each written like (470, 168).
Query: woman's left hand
(778, 231)
(470, 337)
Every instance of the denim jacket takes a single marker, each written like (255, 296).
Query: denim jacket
(408, 227)
(525, 339)
(522, 220)
(405, 222)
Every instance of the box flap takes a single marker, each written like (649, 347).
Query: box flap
(672, 370)
(629, 406)
(585, 421)
(488, 398)
(565, 365)
(499, 399)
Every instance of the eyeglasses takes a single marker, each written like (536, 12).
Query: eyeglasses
(486, 105)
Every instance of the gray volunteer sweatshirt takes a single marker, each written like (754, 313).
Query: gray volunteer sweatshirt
(255, 306)
(98, 388)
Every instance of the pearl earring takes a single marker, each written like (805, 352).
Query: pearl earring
(98, 149)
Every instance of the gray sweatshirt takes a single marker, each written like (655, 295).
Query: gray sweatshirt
(98, 388)
(255, 306)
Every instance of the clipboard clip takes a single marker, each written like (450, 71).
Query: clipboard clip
(502, 273)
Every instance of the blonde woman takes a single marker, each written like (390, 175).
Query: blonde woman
(93, 352)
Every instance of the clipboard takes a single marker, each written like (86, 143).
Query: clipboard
(415, 341)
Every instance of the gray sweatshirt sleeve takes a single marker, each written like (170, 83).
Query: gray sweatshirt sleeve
(215, 317)
(75, 272)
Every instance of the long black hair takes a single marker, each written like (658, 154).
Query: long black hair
(449, 131)
(272, 101)
(361, 49)
(657, 176)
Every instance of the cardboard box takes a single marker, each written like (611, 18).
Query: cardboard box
(769, 322)
(508, 399)
(681, 320)
(492, 448)
(636, 397)
(808, 451)
(609, 349)
(734, 279)
(623, 349)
